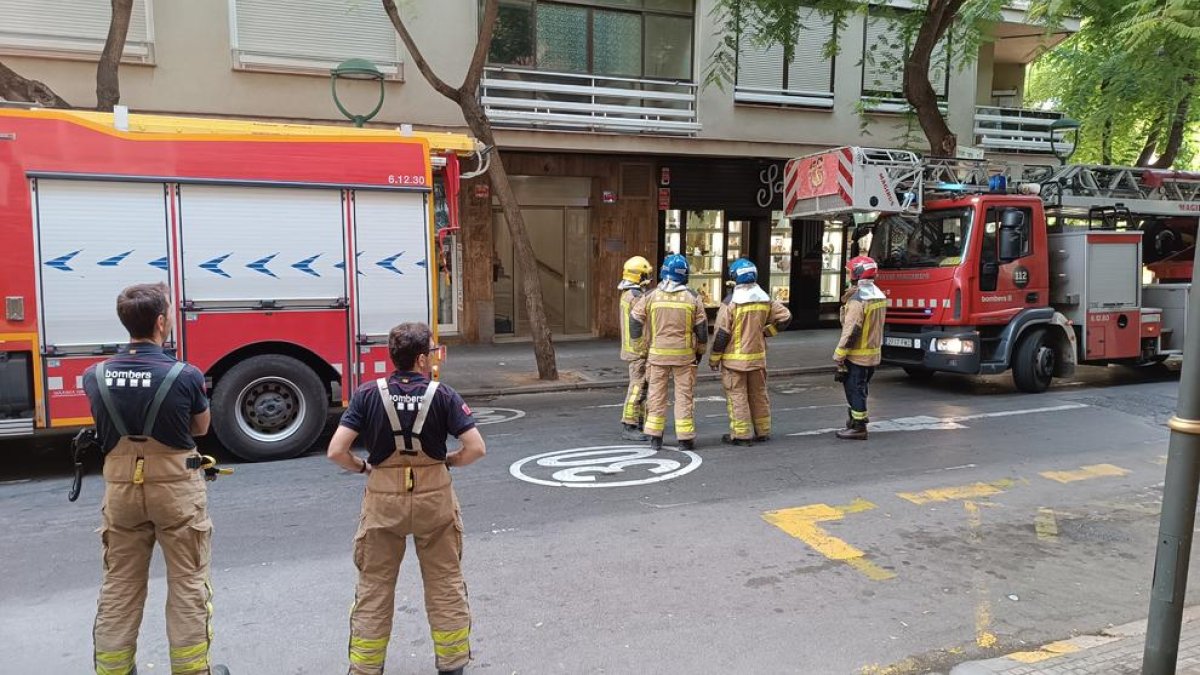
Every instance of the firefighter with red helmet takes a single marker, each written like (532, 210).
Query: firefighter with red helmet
(859, 350)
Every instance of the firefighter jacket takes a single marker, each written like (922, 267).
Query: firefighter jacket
(631, 349)
(748, 316)
(674, 324)
(863, 311)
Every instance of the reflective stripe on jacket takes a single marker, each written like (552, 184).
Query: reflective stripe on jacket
(632, 349)
(862, 331)
(676, 326)
(742, 330)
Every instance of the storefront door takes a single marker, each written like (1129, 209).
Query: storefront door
(559, 237)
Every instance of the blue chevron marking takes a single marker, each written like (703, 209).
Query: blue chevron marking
(342, 265)
(161, 264)
(60, 263)
(214, 265)
(115, 260)
(306, 265)
(389, 263)
(260, 265)
(420, 263)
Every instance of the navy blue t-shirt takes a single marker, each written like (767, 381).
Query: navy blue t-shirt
(133, 377)
(448, 416)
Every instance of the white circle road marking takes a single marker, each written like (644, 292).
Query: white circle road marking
(577, 467)
(496, 415)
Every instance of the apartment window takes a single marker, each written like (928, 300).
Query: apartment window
(885, 49)
(304, 36)
(618, 38)
(72, 29)
(766, 75)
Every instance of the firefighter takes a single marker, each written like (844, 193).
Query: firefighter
(675, 341)
(859, 349)
(748, 316)
(635, 277)
(404, 421)
(148, 408)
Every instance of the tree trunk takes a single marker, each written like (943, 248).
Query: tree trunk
(1179, 124)
(917, 88)
(526, 260)
(14, 87)
(108, 85)
(1106, 133)
(1151, 145)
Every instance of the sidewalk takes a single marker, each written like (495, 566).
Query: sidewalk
(509, 368)
(1115, 651)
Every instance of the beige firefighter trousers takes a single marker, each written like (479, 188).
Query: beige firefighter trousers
(405, 496)
(150, 495)
(656, 401)
(748, 402)
(635, 408)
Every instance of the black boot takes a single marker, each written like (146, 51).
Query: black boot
(656, 443)
(763, 438)
(857, 431)
(688, 444)
(456, 671)
(217, 670)
(730, 440)
(632, 432)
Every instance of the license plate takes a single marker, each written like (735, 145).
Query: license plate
(898, 342)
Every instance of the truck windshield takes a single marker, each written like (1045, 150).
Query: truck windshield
(934, 239)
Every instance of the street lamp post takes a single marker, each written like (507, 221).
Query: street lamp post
(356, 69)
(1178, 517)
(1064, 124)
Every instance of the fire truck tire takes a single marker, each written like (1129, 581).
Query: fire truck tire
(269, 407)
(1034, 362)
(919, 374)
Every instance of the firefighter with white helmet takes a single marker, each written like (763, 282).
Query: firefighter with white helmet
(859, 350)
(675, 326)
(747, 317)
(635, 278)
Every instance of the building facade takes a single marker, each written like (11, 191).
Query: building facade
(616, 146)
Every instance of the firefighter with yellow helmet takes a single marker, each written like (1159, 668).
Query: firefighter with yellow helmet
(635, 278)
(748, 316)
(676, 330)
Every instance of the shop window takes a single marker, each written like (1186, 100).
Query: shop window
(885, 49)
(312, 37)
(617, 38)
(767, 74)
(72, 29)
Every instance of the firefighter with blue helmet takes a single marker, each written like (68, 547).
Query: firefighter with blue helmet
(748, 316)
(635, 278)
(675, 328)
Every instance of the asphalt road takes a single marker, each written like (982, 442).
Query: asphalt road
(976, 520)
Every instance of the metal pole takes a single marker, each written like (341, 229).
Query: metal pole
(1179, 507)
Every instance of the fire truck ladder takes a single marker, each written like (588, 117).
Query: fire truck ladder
(1078, 189)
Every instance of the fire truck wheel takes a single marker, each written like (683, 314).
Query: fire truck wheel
(1034, 362)
(919, 374)
(269, 407)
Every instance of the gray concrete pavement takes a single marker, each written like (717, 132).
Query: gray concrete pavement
(976, 522)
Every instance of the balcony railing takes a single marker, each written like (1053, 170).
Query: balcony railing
(783, 97)
(518, 97)
(1017, 130)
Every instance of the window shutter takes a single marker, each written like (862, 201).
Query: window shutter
(810, 70)
(883, 57)
(69, 28)
(314, 36)
(759, 67)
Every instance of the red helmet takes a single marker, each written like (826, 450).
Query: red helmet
(861, 267)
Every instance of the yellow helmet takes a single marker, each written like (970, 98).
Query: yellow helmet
(637, 270)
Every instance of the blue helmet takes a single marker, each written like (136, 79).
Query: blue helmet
(742, 271)
(675, 268)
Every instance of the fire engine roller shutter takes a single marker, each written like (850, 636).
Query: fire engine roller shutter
(94, 238)
(392, 236)
(244, 245)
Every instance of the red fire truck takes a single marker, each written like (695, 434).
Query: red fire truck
(290, 251)
(990, 268)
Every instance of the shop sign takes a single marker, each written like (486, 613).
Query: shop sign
(482, 191)
(664, 199)
(608, 197)
(664, 176)
(770, 181)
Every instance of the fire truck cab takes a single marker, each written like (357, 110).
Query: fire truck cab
(982, 279)
(289, 252)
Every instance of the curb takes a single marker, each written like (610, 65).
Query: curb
(622, 383)
(1052, 650)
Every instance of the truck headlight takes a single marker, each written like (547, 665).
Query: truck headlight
(954, 346)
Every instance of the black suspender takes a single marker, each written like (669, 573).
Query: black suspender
(160, 395)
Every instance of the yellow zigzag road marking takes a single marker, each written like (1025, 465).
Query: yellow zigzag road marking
(802, 523)
(1086, 473)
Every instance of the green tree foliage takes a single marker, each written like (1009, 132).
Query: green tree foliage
(1129, 76)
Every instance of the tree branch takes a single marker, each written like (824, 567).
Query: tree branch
(486, 30)
(431, 77)
(108, 85)
(15, 87)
